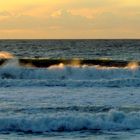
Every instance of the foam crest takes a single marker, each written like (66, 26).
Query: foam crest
(68, 75)
(67, 72)
(5, 55)
(132, 65)
(112, 120)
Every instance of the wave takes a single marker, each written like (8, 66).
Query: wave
(13, 71)
(80, 109)
(72, 109)
(70, 83)
(46, 62)
(12, 74)
(110, 121)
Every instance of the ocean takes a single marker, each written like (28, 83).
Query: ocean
(73, 101)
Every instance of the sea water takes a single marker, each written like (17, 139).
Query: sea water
(70, 102)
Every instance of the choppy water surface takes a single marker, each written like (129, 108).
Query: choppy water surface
(86, 49)
(70, 102)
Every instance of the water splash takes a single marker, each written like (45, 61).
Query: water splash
(132, 65)
(6, 55)
(75, 62)
(59, 66)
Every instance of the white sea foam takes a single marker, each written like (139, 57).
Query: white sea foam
(13, 74)
(113, 120)
(67, 72)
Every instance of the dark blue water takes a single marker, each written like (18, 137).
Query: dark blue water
(89, 49)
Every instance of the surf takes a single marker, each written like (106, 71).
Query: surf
(111, 121)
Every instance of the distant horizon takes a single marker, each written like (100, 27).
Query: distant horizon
(70, 38)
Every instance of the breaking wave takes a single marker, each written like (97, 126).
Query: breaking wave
(12, 74)
(110, 121)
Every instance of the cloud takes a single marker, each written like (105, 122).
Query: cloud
(87, 13)
(5, 13)
(56, 14)
(69, 18)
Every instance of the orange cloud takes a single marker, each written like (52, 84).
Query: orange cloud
(56, 14)
(88, 13)
(69, 18)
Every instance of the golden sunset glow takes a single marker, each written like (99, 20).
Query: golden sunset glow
(69, 19)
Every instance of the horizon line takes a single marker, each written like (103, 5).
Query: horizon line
(69, 38)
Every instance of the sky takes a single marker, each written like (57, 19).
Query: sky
(69, 19)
